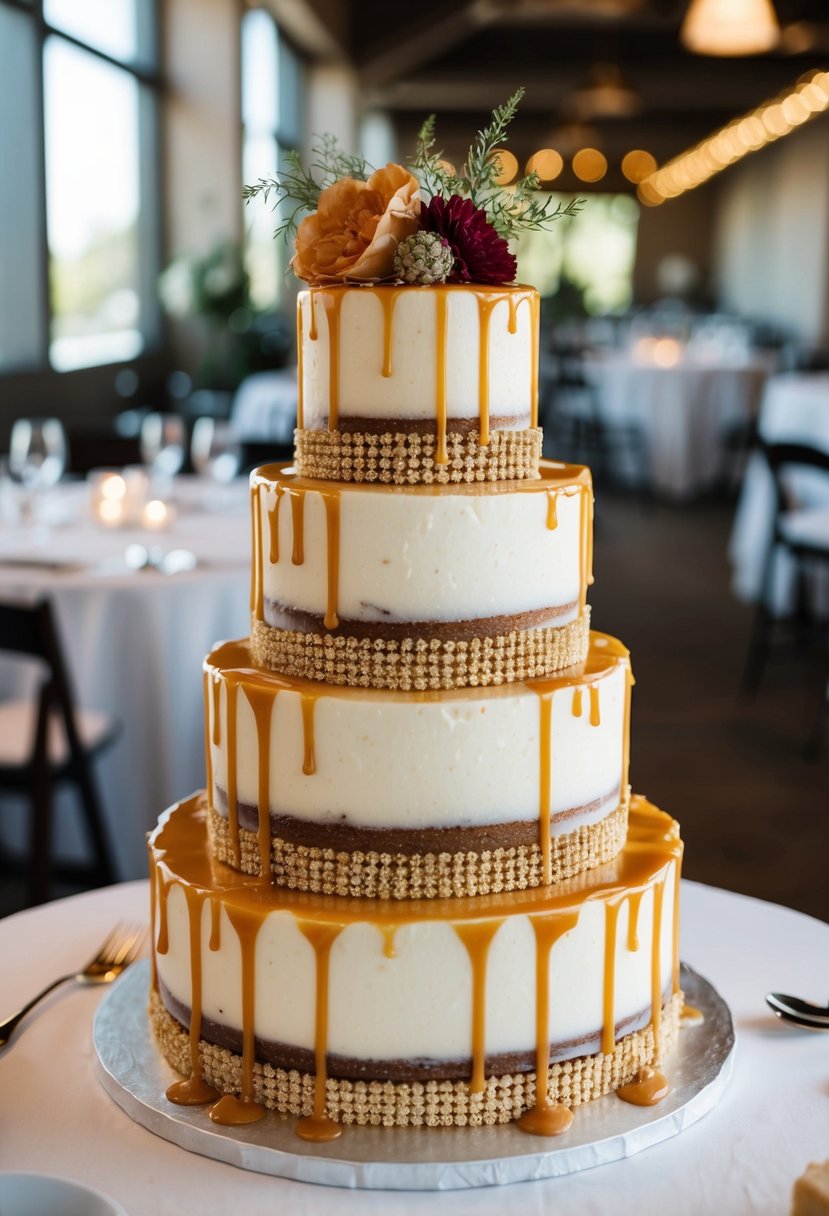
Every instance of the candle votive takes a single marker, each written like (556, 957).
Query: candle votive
(157, 515)
(107, 497)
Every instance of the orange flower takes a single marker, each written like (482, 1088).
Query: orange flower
(355, 231)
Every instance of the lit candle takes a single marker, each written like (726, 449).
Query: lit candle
(157, 515)
(108, 497)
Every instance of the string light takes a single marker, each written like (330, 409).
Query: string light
(589, 165)
(547, 163)
(507, 163)
(637, 165)
(742, 136)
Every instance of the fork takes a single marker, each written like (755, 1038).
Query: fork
(116, 952)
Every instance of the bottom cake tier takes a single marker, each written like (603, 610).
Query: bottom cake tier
(402, 1013)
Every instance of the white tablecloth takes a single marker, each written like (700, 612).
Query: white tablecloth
(683, 411)
(739, 1160)
(795, 409)
(135, 641)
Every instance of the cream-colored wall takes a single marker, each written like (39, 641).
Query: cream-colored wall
(772, 234)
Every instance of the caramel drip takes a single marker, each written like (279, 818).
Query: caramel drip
(656, 967)
(229, 1110)
(318, 1127)
(193, 1091)
(486, 303)
(629, 682)
(585, 543)
(609, 1015)
(545, 783)
(648, 1087)
(546, 1118)
(535, 315)
(232, 803)
(333, 305)
(300, 382)
(297, 498)
(312, 320)
(477, 937)
(331, 499)
(552, 510)
(691, 1016)
(256, 583)
(216, 708)
(634, 905)
(590, 512)
(308, 700)
(208, 754)
(389, 932)
(388, 298)
(595, 716)
(162, 942)
(675, 969)
(153, 919)
(577, 702)
(513, 301)
(440, 377)
(215, 942)
(273, 524)
(262, 702)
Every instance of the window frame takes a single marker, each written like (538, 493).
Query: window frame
(38, 384)
(282, 138)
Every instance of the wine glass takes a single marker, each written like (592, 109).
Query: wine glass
(37, 459)
(162, 448)
(215, 450)
(162, 443)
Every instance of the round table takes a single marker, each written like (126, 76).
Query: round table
(684, 411)
(740, 1159)
(134, 641)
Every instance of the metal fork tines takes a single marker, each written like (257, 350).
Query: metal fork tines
(120, 948)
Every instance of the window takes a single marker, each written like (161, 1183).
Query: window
(588, 258)
(78, 216)
(272, 113)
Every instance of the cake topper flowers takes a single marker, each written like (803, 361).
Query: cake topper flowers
(420, 223)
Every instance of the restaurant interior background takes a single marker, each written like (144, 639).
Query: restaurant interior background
(685, 323)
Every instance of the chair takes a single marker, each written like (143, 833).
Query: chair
(803, 533)
(44, 741)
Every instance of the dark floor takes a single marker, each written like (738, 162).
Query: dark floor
(754, 813)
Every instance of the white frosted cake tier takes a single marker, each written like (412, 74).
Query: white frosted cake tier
(411, 992)
(347, 557)
(401, 354)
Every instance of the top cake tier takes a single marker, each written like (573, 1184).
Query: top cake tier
(410, 385)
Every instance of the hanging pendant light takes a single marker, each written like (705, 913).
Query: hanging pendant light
(730, 27)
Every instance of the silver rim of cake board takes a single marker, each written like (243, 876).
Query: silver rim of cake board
(134, 1073)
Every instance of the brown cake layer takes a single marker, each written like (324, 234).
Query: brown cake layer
(280, 616)
(426, 1103)
(349, 1068)
(422, 660)
(372, 874)
(403, 452)
(346, 837)
(352, 425)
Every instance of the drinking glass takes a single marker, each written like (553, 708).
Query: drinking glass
(37, 459)
(215, 450)
(162, 443)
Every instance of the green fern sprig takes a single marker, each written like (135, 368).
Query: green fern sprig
(482, 163)
(300, 187)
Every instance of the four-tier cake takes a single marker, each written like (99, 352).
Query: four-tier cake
(416, 890)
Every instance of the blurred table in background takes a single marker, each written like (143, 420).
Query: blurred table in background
(265, 406)
(685, 407)
(134, 640)
(795, 409)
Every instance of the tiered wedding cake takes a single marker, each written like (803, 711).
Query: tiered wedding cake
(416, 889)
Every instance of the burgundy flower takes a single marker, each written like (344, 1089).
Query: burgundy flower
(481, 255)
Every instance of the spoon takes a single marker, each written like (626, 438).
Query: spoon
(795, 1009)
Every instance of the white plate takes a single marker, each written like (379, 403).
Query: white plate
(45, 1195)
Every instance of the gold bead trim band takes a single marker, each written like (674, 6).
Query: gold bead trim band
(408, 458)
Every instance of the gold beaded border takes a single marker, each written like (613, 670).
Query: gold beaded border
(408, 458)
(421, 663)
(424, 1103)
(375, 875)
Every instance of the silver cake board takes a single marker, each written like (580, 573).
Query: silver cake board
(136, 1076)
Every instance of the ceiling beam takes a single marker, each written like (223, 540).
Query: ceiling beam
(410, 47)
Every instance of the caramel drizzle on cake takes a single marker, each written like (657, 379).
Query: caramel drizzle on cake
(272, 483)
(487, 298)
(180, 860)
(228, 666)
